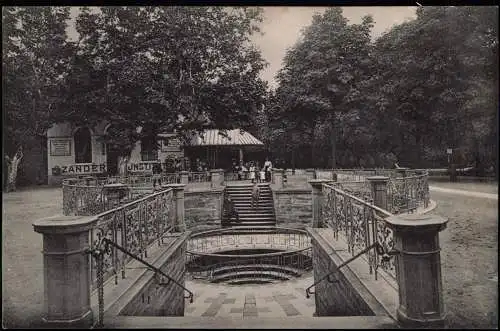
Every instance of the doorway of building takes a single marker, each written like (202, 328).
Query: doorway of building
(112, 161)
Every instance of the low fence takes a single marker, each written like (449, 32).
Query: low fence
(134, 226)
(407, 189)
(359, 223)
(88, 195)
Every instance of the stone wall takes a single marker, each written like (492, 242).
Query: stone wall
(203, 208)
(293, 207)
(334, 299)
(162, 300)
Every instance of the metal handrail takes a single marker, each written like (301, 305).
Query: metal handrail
(376, 245)
(107, 241)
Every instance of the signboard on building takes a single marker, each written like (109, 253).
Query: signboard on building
(60, 147)
(170, 143)
(87, 168)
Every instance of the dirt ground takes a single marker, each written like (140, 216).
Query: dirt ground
(469, 256)
(469, 260)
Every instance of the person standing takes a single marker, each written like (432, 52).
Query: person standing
(157, 174)
(255, 195)
(263, 175)
(268, 167)
(252, 173)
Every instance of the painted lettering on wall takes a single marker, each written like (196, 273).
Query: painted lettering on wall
(83, 168)
(141, 166)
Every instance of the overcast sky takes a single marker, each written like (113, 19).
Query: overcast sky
(282, 26)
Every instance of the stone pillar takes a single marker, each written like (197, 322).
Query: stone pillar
(317, 200)
(114, 193)
(418, 266)
(90, 181)
(278, 178)
(184, 177)
(180, 222)
(402, 171)
(66, 267)
(311, 174)
(379, 190)
(217, 177)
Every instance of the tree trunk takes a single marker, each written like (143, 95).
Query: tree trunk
(122, 165)
(12, 167)
(333, 140)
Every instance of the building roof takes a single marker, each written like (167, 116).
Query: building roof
(214, 137)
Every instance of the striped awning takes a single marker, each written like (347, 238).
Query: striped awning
(234, 137)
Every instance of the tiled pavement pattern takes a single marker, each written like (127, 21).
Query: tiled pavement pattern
(280, 299)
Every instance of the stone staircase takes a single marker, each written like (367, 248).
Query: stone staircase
(262, 215)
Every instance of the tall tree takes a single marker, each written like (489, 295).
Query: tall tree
(35, 62)
(166, 68)
(322, 74)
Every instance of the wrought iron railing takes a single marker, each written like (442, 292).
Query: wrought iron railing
(199, 177)
(300, 261)
(134, 226)
(86, 196)
(226, 239)
(360, 224)
(408, 193)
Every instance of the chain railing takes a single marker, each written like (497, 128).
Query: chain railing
(360, 224)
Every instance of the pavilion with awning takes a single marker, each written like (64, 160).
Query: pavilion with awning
(221, 149)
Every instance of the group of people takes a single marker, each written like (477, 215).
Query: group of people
(251, 170)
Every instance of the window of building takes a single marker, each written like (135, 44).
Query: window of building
(149, 150)
(83, 146)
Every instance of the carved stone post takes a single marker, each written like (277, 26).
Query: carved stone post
(66, 267)
(217, 177)
(402, 171)
(379, 190)
(180, 222)
(418, 266)
(184, 177)
(114, 193)
(278, 178)
(317, 200)
(311, 174)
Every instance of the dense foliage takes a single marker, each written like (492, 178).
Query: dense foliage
(426, 85)
(157, 68)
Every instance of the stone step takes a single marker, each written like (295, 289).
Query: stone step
(246, 274)
(253, 223)
(256, 212)
(257, 268)
(250, 280)
(230, 323)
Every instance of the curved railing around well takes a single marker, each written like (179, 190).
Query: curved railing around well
(207, 252)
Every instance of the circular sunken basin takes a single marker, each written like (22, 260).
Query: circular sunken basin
(242, 255)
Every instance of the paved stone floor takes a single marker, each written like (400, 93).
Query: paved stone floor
(279, 299)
